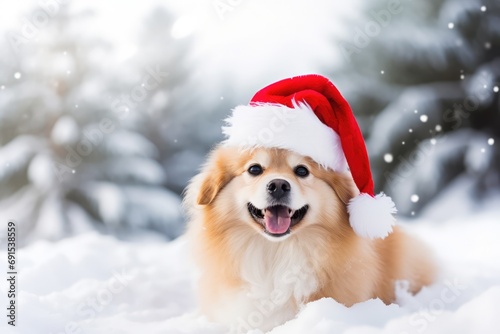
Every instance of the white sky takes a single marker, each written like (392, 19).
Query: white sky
(261, 41)
(255, 42)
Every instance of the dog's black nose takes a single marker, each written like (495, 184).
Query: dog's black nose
(278, 188)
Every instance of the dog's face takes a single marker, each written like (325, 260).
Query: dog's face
(274, 191)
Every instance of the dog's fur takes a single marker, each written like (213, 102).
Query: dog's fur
(250, 280)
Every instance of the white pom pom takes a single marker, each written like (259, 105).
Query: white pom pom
(372, 217)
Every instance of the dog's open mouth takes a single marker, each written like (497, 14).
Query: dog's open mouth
(277, 219)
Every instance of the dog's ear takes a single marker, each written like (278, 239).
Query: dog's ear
(343, 185)
(211, 185)
(215, 175)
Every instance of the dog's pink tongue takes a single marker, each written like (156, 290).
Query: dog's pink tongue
(277, 220)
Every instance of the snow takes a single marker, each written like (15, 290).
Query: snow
(110, 199)
(94, 283)
(16, 154)
(129, 144)
(40, 171)
(65, 131)
(145, 170)
(388, 158)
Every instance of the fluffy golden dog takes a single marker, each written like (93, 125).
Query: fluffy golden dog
(270, 231)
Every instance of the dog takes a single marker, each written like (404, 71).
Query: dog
(269, 231)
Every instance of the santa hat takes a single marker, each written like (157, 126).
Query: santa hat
(309, 116)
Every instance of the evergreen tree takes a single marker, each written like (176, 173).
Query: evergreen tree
(170, 112)
(184, 121)
(423, 79)
(76, 151)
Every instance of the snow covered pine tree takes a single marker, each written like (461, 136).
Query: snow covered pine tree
(423, 78)
(72, 156)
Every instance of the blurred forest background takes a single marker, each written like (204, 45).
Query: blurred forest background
(107, 110)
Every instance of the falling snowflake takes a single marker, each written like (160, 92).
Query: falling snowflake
(462, 76)
(491, 141)
(483, 150)
(410, 130)
(483, 8)
(17, 75)
(438, 128)
(414, 198)
(487, 45)
(433, 141)
(388, 158)
(451, 25)
(423, 118)
(495, 89)
(382, 72)
(2, 87)
(415, 111)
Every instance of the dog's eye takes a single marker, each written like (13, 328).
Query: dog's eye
(301, 171)
(255, 170)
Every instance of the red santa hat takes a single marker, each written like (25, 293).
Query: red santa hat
(309, 116)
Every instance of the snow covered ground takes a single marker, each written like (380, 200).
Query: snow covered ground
(97, 284)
